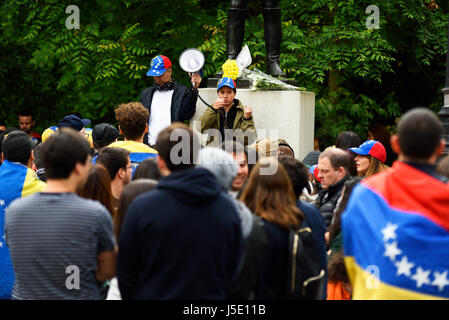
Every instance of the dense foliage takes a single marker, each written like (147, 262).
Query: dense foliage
(359, 75)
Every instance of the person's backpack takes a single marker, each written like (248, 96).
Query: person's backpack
(305, 276)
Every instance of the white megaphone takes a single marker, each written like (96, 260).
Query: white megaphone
(191, 61)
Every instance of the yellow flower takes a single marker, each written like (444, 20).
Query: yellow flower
(230, 69)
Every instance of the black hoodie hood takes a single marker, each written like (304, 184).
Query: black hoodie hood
(192, 186)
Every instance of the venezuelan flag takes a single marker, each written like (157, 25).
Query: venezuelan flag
(139, 151)
(16, 181)
(88, 135)
(396, 236)
(48, 132)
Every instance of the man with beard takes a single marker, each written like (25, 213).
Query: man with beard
(26, 124)
(62, 246)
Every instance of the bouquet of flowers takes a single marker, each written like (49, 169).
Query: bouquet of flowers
(263, 81)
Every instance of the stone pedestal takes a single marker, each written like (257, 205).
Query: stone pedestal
(444, 117)
(289, 115)
(244, 83)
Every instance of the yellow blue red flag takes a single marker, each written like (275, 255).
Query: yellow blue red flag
(139, 151)
(396, 236)
(16, 181)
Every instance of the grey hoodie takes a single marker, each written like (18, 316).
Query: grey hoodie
(224, 168)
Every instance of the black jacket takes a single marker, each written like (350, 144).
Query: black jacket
(180, 241)
(315, 221)
(271, 283)
(328, 200)
(265, 265)
(183, 104)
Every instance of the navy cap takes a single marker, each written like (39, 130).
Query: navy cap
(74, 122)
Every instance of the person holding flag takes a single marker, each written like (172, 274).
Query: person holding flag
(396, 225)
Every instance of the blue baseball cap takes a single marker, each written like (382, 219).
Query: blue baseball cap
(73, 122)
(312, 168)
(228, 82)
(373, 148)
(158, 66)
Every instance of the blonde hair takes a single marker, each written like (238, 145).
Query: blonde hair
(375, 166)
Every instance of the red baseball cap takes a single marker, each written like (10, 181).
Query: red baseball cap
(314, 170)
(373, 148)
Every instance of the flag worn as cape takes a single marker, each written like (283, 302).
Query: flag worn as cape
(396, 236)
(16, 181)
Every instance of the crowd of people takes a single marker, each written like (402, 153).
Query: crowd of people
(144, 211)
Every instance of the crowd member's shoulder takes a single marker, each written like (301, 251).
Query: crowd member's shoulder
(182, 88)
(312, 213)
(32, 184)
(17, 204)
(308, 207)
(133, 146)
(97, 209)
(146, 91)
(145, 96)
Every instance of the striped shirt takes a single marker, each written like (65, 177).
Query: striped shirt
(54, 242)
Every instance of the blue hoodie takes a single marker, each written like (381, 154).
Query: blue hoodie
(180, 241)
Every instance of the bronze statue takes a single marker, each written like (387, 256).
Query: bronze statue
(272, 32)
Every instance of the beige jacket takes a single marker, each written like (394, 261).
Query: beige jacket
(212, 120)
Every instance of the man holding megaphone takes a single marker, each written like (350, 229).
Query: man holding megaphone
(167, 100)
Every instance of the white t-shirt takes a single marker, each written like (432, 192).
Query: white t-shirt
(160, 114)
(114, 292)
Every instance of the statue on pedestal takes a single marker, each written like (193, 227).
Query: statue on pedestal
(272, 32)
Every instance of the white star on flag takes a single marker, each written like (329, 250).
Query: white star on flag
(404, 267)
(389, 231)
(421, 277)
(440, 280)
(2, 202)
(391, 250)
(1, 244)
